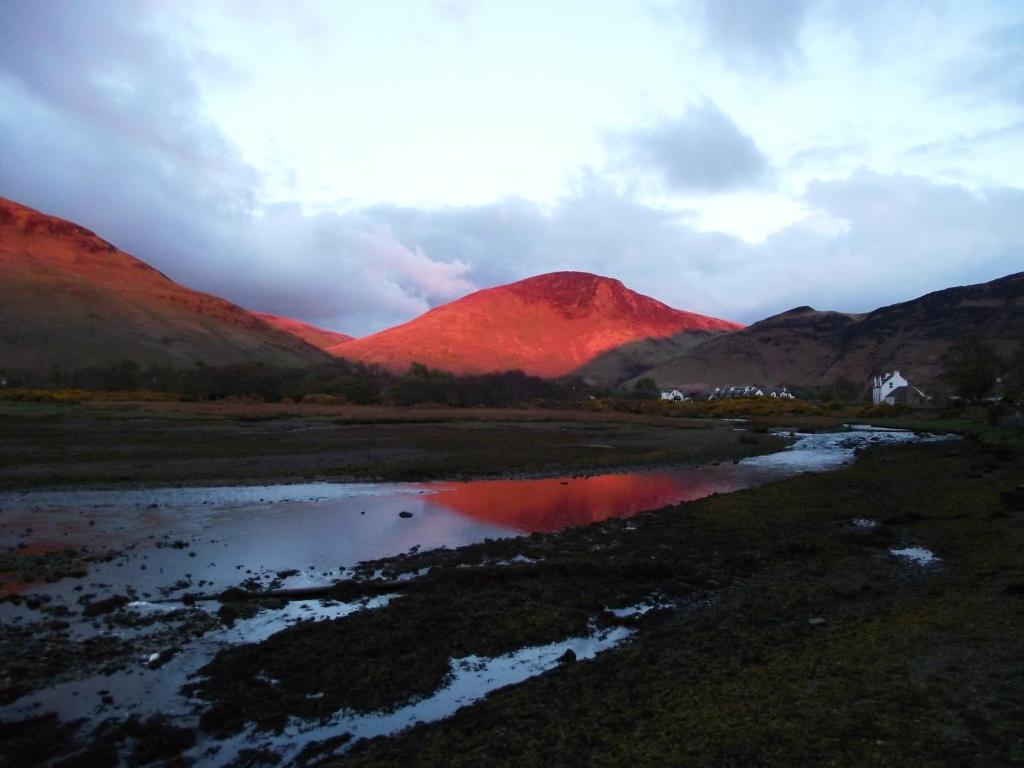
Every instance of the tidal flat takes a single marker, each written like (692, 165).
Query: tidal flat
(773, 625)
(149, 444)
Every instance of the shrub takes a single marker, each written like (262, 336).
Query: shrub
(323, 399)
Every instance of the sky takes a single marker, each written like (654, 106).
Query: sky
(353, 164)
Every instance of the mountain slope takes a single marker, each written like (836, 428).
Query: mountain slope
(629, 360)
(73, 300)
(805, 347)
(549, 326)
(321, 338)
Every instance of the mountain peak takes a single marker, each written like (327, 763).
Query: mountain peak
(548, 325)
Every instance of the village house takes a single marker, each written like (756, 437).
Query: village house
(892, 388)
(674, 395)
(725, 393)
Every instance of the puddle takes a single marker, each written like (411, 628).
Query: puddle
(633, 611)
(919, 555)
(864, 523)
(140, 690)
(472, 678)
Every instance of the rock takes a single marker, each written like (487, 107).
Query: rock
(101, 607)
(404, 514)
(817, 621)
(157, 660)
(568, 656)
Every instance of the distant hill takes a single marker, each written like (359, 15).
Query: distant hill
(321, 338)
(70, 299)
(548, 326)
(807, 347)
(632, 359)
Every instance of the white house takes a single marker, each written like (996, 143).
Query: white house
(892, 388)
(674, 395)
(725, 393)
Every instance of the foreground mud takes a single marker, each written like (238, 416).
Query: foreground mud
(782, 631)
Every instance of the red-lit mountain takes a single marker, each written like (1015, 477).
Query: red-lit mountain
(547, 326)
(71, 300)
(320, 338)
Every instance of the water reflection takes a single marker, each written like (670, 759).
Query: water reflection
(210, 538)
(550, 504)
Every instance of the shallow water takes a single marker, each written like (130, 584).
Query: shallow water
(471, 679)
(211, 538)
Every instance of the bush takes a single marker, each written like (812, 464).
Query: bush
(323, 399)
(881, 411)
(995, 413)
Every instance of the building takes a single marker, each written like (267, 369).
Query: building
(892, 388)
(726, 393)
(674, 395)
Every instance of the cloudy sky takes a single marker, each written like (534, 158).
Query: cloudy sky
(354, 163)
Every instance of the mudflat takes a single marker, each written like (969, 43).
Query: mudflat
(144, 444)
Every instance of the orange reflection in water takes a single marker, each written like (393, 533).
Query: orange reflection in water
(551, 504)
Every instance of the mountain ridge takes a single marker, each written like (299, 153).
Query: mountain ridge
(808, 347)
(321, 338)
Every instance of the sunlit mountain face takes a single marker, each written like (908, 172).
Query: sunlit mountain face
(311, 334)
(69, 299)
(547, 326)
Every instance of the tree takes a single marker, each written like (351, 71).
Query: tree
(971, 366)
(646, 388)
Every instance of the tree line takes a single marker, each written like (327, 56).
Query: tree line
(336, 381)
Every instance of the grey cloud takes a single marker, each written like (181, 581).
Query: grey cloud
(109, 66)
(901, 236)
(754, 35)
(826, 155)
(963, 144)
(101, 123)
(994, 68)
(701, 151)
